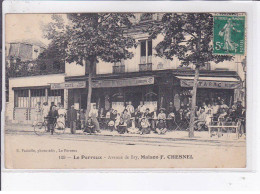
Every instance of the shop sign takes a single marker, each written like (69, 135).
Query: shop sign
(212, 84)
(68, 85)
(138, 81)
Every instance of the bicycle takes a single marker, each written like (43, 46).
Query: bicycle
(42, 127)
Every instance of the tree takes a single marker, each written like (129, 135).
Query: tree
(51, 60)
(90, 37)
(187, 36)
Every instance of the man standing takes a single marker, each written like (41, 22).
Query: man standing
(141, 107)
(53, 115)
(130, 109)
(94, 114)
(72, 118)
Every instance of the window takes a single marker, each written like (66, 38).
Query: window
(146, 51)
(119, 67)
(21, 98)
(56, 96)
(37, 95)
(143, 48)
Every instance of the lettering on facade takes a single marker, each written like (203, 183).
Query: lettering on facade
(68, 85)
(212, 84)
(123, 82)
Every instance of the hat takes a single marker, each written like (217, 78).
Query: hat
(163, 109)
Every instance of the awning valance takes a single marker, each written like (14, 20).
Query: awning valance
(124, 82)
(211, 82)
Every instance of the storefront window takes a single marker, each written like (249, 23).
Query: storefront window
(37, 95)
(21, 98)
(56, 96)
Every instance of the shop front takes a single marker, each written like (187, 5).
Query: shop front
(152, 91)
(210, 89)
(26, 98)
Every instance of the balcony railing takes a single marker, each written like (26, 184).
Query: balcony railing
(119, 69)
(145, 67)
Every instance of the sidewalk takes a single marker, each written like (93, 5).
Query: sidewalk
(198, 135)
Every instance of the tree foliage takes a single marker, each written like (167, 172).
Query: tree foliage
(187, 36)
(91, 37)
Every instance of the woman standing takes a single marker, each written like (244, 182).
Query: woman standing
(38, 115)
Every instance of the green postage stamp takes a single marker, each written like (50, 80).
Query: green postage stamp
(229, 35)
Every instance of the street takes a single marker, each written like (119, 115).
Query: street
(112, 150)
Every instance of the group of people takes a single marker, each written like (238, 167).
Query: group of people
(140, 120)
(219, 113)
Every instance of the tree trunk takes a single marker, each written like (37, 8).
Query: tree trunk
(90, 73)
(193, 103)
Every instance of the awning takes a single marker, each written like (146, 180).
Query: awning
(211, 82)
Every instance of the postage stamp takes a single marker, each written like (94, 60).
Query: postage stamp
(229, 35)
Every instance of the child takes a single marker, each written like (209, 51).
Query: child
(161, 127)
(121, 128)
(90, 127)
(145, 126)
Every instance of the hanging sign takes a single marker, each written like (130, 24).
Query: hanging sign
(68, 85)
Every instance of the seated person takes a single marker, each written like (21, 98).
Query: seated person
(209, 117)
(62, 113)
(147, 114)
(113, 115)
(108, 114)
(145, 126)
(138, 116)
(232, 114)
(111, 125)
(89, 127)
(170, 120)
(222, 115)
(117, 120)
(133, 129)
(201, 119)
(154, 118)
(162, 114)
(161, 127)
(223, 105)
(126, 117)
(121, 128)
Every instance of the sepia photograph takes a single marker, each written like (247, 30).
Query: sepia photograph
(112, 90)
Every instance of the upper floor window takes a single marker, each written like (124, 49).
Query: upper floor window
(146, 51)
(119, 67)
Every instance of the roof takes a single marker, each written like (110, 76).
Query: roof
(30, 41)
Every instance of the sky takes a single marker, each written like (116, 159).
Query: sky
(26, 26)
